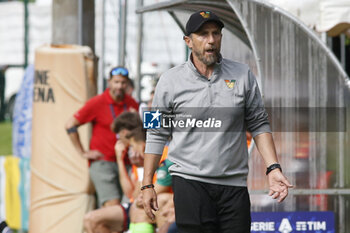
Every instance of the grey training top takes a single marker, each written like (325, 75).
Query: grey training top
(212, 155)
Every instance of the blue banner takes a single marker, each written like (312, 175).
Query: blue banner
(22, 117)
(286, 222)
(24, 192)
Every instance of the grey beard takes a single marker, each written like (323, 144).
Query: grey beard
(207, 61)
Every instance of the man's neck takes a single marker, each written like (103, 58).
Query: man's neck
(203, 69)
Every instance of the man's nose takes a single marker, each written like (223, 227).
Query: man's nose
(211, 39)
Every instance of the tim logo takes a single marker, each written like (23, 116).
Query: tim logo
(151, 119)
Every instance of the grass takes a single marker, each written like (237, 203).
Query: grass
(5, 138)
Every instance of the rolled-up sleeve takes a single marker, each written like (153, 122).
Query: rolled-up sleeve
(256, 117)
(162, 101)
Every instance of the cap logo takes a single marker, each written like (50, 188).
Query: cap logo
(230, 83)
(205, 14)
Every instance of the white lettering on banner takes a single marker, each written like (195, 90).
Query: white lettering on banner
(301, 226)
(321, 226)
(311, 226)
(262, 226)
(285, 226)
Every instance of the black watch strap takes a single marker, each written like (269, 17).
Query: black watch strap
(272, 167)
(73, 129)
(149, 186)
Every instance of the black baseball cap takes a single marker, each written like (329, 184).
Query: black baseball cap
(197, 19)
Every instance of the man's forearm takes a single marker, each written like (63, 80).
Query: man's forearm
(278, 183)
(75, 139)
(71, 124)
(266, 147)
(151, 163)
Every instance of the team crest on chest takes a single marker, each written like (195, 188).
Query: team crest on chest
(230, 83)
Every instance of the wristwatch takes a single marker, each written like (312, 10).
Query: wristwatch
(272, 167)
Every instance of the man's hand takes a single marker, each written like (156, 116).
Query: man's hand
(278, 185)
(92, 154)
(149, 199)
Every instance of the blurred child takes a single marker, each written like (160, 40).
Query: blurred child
(129, 215)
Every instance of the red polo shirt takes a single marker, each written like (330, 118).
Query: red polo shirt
(98, 111)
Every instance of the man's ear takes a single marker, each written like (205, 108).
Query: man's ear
(188, 41)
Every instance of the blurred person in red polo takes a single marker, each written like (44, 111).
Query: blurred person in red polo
(100, 111)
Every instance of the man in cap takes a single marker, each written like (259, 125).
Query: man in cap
(100, 111)
(210, 168)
